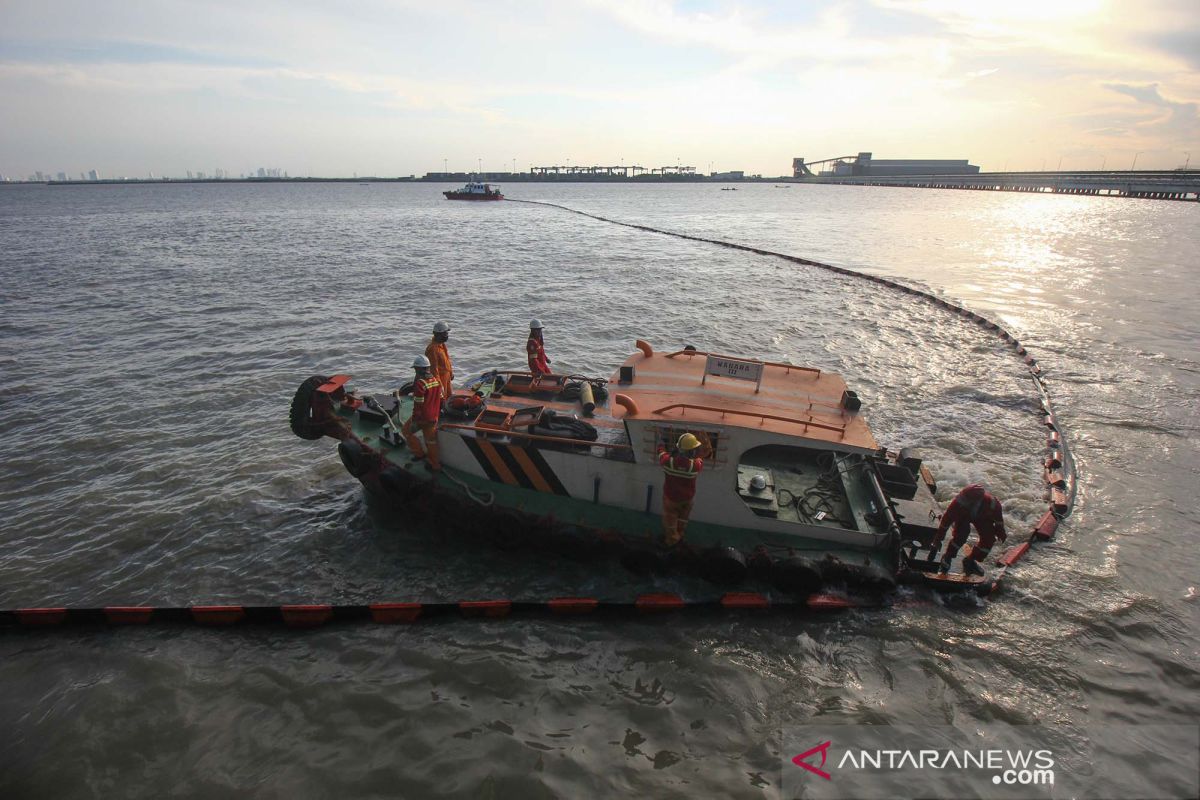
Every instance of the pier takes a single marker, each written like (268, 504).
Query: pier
(1149, 185)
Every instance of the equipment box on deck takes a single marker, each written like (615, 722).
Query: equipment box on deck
(897, 481)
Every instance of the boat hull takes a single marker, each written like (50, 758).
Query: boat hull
(514, 518)
(471, 196)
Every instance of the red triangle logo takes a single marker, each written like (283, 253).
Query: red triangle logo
(823, 749)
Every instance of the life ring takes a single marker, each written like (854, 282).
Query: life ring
(300, 414)
(464, 406)
(723, 566)
(794, 575)
(356, 457)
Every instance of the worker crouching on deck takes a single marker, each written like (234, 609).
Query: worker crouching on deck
(536, 349)
(439, 357)
(973, 505)
(427, 406)
(680, 467)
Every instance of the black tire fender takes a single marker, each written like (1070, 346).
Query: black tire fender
(640, 561)
(795, 575)
(723, 566)
(300, 413)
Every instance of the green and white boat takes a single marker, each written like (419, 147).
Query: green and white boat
(795, 490)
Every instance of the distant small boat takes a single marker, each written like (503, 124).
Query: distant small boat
(475, 191)
(728, 188)
(777, 186)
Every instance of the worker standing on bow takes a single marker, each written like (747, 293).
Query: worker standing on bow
(427, 407)
(535, 348)
(439, 357)
(680, 468)
(976, 506)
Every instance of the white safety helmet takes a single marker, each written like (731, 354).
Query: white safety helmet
(535, 324)
(441, 327)
(420, 362)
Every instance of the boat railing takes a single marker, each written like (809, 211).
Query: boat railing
(784, 365)
(807, 423)
(489, 433)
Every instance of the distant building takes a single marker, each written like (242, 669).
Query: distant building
(62, 176)
(865, 166)
(734, 175)
(93, 175)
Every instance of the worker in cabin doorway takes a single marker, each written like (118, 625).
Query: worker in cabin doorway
(976, 506)
(680, 467)
(427, 407)
(536, 349)
(439, 357)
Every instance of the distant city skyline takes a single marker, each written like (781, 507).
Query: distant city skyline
(404, 88)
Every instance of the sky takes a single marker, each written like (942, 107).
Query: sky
(329, 88)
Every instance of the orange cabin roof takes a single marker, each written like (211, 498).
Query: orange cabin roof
(792, 401)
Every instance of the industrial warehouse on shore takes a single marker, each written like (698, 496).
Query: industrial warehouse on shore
(865, 166)
(861, 165)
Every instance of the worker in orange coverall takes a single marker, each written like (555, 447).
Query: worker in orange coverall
(427, 407)
(680, 467)
(439, 357)
(973, 505)
(535, 348)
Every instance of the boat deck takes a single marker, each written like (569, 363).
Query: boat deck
(789, 400)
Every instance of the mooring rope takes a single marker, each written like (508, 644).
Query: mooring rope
(486, 499)
(1059, 471)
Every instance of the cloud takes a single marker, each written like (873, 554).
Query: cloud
(1180, 118)
(740, 82)
(1147, 93)
(1183, 45)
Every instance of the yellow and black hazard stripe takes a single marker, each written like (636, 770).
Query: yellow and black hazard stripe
(516, 466)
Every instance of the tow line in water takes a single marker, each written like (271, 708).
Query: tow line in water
(1058, 472)
(313, 616)
(1058, 466)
